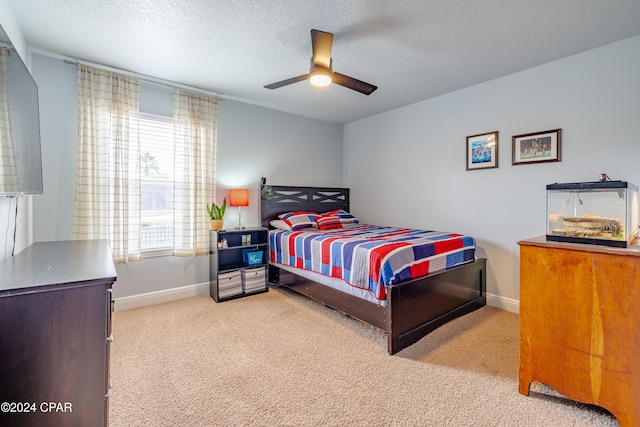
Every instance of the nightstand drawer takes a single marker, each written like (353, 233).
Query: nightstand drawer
(229, 284)
(254, 279)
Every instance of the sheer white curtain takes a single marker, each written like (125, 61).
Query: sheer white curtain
(107, 196)
(196, 122)
(8, 175)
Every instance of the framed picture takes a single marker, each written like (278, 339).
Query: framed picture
(482, 151)
(536, 147)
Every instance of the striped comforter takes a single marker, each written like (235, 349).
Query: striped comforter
(369, 256)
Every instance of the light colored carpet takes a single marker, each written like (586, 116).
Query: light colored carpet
(279, 359)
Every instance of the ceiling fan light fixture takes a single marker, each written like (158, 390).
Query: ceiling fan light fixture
(321, 69)
(320, 78)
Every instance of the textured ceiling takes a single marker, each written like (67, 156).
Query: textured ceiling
(412, 50)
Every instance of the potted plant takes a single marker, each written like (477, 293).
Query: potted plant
(217, 214)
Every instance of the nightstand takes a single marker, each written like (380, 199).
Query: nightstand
(238, 263)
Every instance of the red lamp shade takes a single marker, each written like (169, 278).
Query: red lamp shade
(239, 198)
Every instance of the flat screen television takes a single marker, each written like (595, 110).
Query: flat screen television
(20, 156)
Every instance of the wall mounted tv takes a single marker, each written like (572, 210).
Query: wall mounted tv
(20, 157)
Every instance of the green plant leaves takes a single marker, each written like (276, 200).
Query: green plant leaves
(216, 212)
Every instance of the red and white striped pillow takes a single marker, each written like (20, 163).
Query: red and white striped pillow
(337, 218)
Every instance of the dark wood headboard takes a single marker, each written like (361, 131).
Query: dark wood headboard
(278, 199)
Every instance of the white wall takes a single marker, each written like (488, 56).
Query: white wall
(11, 27)
(57, 94)
(252, 142)
(407, 167)
(286, 149)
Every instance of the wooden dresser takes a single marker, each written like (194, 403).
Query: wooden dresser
(580, 323)
(55, 334)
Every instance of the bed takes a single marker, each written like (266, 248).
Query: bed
(406, 308)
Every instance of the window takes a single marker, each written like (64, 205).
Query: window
(114, 168)
(156, 186)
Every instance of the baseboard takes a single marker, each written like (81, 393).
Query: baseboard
(508, 304)
(158, 297)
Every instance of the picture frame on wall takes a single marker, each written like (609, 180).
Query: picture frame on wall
(538, 147)
(482, 151)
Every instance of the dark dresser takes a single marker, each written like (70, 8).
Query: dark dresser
(55, 334)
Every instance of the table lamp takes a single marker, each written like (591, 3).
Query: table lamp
(239, 198)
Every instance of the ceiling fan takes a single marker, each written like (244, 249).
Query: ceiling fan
(321, 72)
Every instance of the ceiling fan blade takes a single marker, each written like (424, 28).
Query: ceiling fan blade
(321, 42)
(354, 84)
(287, 82)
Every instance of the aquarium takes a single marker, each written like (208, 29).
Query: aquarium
(600, 213)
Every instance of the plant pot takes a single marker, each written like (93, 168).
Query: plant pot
(217, 224)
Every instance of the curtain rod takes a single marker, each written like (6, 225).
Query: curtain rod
(144, 77)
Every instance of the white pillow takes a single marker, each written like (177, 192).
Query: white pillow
(280, 225)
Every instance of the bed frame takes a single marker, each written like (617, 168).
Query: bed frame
(413, 309)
